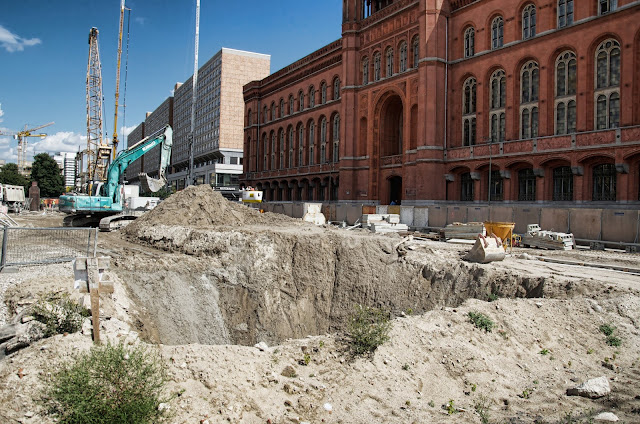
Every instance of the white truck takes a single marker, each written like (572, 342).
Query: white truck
(12, 197)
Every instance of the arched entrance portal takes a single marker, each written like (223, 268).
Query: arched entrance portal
(395, 190)
(391, 127)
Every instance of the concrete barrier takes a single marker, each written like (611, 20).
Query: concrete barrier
(525, 216)
(354, 212)
(382, 209)
(501, 214)
(368, 209)
(437, 216)
(277, 208)
(585, 223)
(297, 210)
(456, 214)
(620, 225)
(477, 213)
(341, 211)
(554, 220)
(394, 209)
(406, 215)
(420, 217)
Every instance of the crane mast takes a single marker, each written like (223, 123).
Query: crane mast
(115, 118)
(97, 153)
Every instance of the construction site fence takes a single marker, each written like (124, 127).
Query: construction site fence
(610, 223)
(32, 246)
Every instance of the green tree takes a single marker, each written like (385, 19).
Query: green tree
(9, 175)
(47, 173)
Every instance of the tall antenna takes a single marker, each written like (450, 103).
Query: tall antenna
(194, 98)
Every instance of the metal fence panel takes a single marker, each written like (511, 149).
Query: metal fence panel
(25, 246)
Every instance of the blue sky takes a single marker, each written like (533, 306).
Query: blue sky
(44, 53)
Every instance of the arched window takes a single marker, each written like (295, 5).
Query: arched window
(403, 57)
(312, 97)
(273, 151)
(336, 88)
(469, 42)
(365, 71)
(273, 111)
(281, 151)
(336, 138)
(529, 22)
(466, 187)
(389, 57)
(497, 105)
(565, 99)
(606, 6)
(526, 185)
(607, 92)
(497, 32)
(604, 182)
(265, 154)
(291, 105)
(469, 112)
(300, 145)
(565, 13)
(323, 140)
(300, 101)
(529, 83)
(376, 66)
(312, 130)
(323, 93)
(416, 51)
(282, 114)
(562, 184)
(290, 142)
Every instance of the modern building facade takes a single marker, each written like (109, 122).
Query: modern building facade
(67, 163)
(218, 135)
(135, 167)
(426, 101)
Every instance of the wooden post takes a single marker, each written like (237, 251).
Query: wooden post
(89, 272)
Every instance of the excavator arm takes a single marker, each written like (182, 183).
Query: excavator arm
(116, 171)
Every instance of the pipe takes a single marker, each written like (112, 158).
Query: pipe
(446, 82)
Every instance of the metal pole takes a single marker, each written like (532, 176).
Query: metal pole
(490, 148)
(3, 261)
(194, 97)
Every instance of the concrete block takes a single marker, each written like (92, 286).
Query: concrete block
(329, 211)
(394, 209)
(420, 217)
(477, 213)
(368, 209)
(406, 215)
(392, 218)
(382, 209)
(585, 223)
(501, 214)
(341, 212)
(277, 208)
(555, 219)
(456, 214)
(619, 225)
(525, 216)
(288, 209)
(437, 216)
(297, 210)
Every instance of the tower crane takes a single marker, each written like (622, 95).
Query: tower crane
(115, 118)
(22, 137)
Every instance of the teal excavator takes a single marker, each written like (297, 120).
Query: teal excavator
(113, 204)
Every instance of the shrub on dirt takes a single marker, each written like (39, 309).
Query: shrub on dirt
(108, 384)
(368, 328)
(481, 321)
(59, 313)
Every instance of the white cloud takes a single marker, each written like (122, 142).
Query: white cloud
(140, 20)
(125, 131)
(1, 112)
(14, 43)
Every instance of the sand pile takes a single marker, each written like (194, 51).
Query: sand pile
(201, 207)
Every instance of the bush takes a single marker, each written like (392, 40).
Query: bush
(481, 321)
(368, 329)
(614, 341)
(607, 329)
(109, 384)
(59, 313)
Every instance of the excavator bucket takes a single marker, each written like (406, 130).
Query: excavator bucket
(149, 184)
(486, 249)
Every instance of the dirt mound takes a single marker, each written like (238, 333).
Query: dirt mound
(201, 207)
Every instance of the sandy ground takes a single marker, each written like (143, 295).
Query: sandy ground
(518, 373)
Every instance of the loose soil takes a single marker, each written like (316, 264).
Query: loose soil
(205, 279)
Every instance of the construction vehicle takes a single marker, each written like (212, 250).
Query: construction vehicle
(12, 197)
(113, 204)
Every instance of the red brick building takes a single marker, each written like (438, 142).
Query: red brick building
(433, 100)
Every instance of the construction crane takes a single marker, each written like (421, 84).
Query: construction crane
(115, 118)
(22, 137)
(98, 153)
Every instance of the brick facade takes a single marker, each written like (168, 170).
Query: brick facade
(433, 93)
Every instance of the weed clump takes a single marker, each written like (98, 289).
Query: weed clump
(108, 384)
(368, 328)
(481, 321)
(608, 330)
(59, 313)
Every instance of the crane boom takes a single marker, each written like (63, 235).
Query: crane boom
(115, 118)
(98, 153)
(22, 137)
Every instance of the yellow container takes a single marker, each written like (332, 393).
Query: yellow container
(503, 230)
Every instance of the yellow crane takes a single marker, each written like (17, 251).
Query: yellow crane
(115, 118)
(22, 137)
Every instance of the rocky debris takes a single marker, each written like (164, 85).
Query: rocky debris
(262, 346)
(289, 371)
(593, 388)
(17, 336)
(609, 417)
